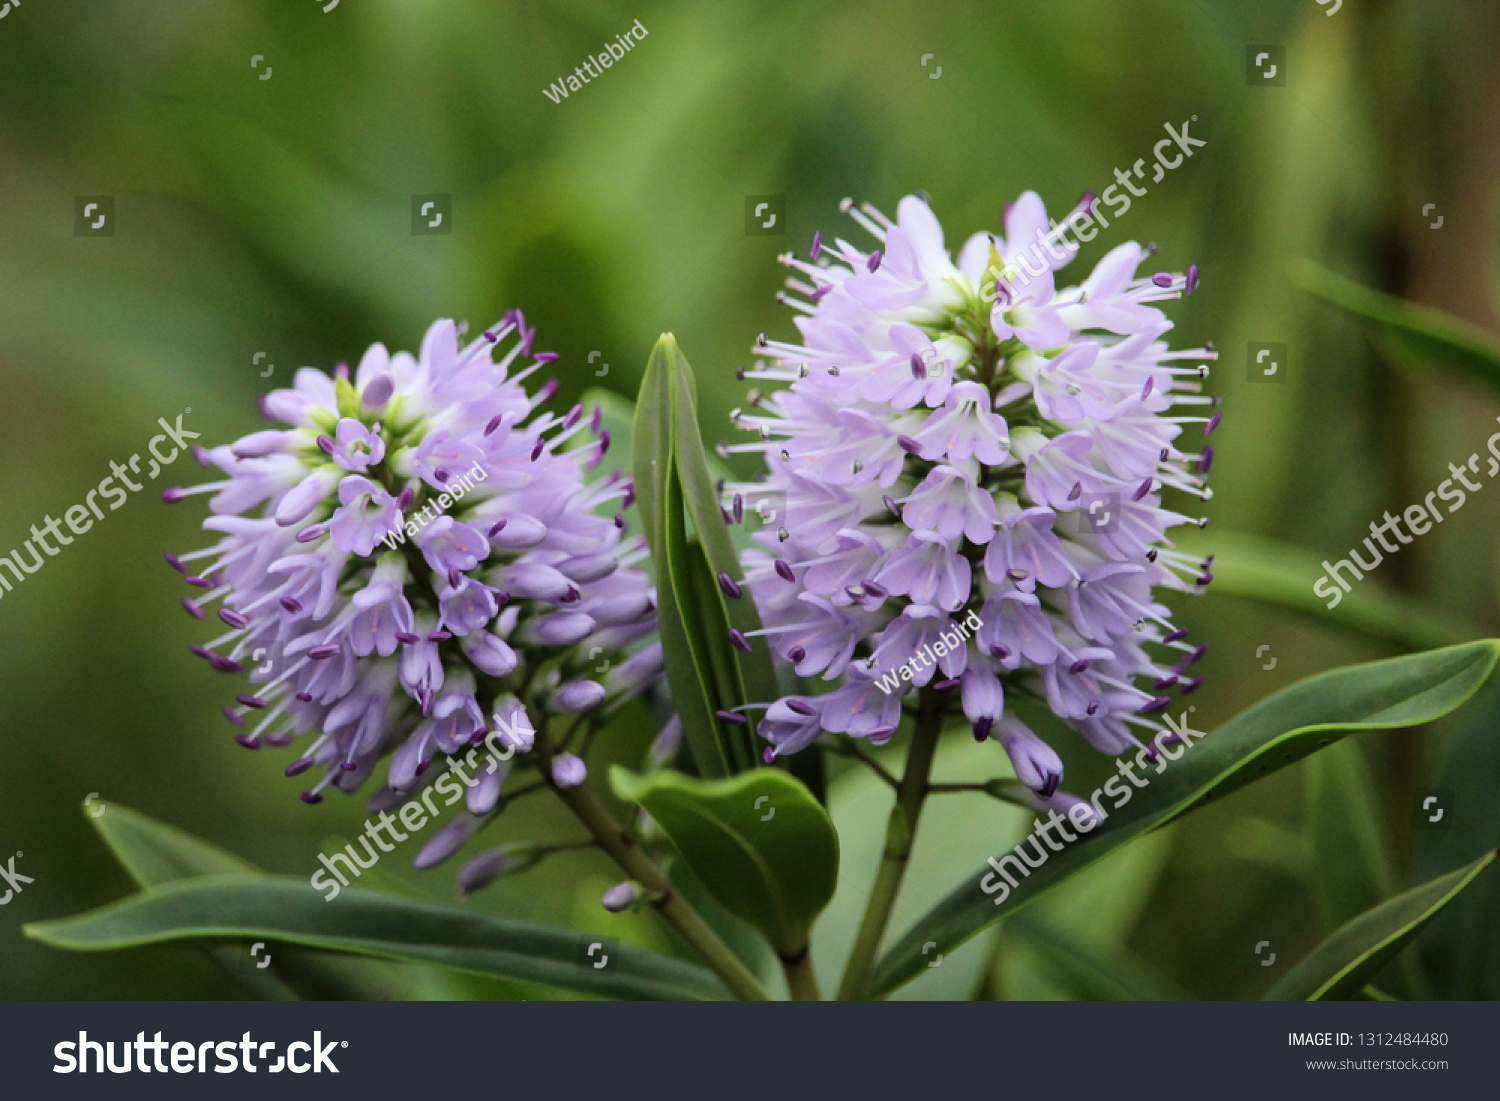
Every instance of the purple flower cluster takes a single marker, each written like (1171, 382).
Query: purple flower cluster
(965, 440)
(413, 551)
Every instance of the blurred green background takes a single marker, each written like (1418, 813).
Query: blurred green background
(274, 215)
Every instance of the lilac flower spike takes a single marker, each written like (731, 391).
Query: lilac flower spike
(966, 452)
(395, 558)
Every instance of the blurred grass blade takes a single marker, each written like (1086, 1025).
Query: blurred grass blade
(1342, 965)
(759, 842)
(155, 853)
(1283, 728)
(1408, 331)
(1283, 575)
(1351, 862)
(1461, 952)
(1351, 870)
(658, 492)
(1099, 972)
(276, 908)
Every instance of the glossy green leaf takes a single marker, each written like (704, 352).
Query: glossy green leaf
(1283, 575)
(759, 842)
(1409, 332)
(685, 646)
(756, 677)
(1283, 728)
(1343, 964)
(277, 908)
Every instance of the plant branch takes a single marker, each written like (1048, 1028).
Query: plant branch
(615, 840)
(900, 831)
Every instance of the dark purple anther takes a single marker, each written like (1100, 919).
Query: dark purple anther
(982, 727)
(620, 521)
(201, 651)
(738, 640)
(439, 636)
(873, 263)
(728, 516)
(1152, 753)
(403, 502)
(441, 475)
(909, 445)
(817, 246)
(1146, 389)
(1078, 667)
(999, 652)
(312, 797)
(234, 717)
(1193, 656)
(325, 445)
(1141, 490)
(796, 654)
(951, 682)
(455, 578)
(1181, 632)
(821, 291)
(548, 391)
(498, 527)
(1191, 685)
(536, 451)
(225, 665)
(575, 415)
(200, 582)
(1092, 708)
(173, 495)
(350, 766)
(502, 597)
(918, 368)
(892, 506)
(1161, 279)
(597, 420)
(408, 638)
(291, 605)
(311, 532)
(304, 697)
(879, 592)
(321, 653)
(730, 586)
(247, 740)
(1160, 703)
(732, 717)
(1164, 683)
(1076, 492)
(739, 508)
(495, 422)
(603, 444)
(175, 562)
(799, 707)
(784, 570)
(768, 755)
(233, 618)
(543, 358)
(1192, 279)
(1213, 422)
(1203, 578)
(1205, 460)
(201, 453)
(193, 608)
(251, 701)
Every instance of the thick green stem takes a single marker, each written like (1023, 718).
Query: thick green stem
(800, 979)
(618, 843)
(899, 833)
